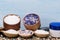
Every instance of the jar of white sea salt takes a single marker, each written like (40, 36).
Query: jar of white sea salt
(55, 29)
(11, 21)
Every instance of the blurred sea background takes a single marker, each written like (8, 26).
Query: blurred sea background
(48, 10)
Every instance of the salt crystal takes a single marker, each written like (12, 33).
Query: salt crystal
(11, 19)
(41, 32)
(12, 31)
(33, 18)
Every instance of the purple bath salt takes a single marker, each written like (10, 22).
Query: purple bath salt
(31, 19)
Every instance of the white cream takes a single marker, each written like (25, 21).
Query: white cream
(11, 19)
(41, 32)
(54, 33)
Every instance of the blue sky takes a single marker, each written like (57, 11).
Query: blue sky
(48, 10)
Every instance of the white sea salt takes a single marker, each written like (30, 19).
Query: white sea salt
(11, 19)
(11, 31)
(41, 32)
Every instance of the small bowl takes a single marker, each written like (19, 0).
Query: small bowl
(10, 34)
(26, 33)
(41, 34)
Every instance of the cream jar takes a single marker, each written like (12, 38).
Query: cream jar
(55, 29)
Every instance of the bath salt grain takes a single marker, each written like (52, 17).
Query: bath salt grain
(31, 19)
(11, 19)
(12, 31)
(41, 32)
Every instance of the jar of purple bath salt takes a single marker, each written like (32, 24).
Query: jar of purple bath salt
(32, 21)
